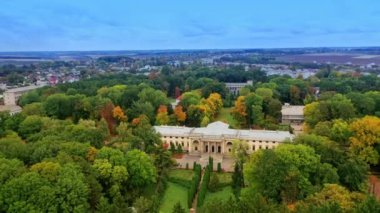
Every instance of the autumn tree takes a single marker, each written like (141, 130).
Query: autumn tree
(180, 114)
(366, 136)
(162, 117)
(239, 111)
(118, 113)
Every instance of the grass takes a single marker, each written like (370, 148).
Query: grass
(226, 116)
(181, 174)
(173, 194)
(225, 178)
(223, 194)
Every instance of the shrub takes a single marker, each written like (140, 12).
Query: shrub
(211, 163)
(214, 183)
(179, 149)
(219, 167)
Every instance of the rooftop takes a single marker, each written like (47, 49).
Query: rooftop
(23, 89)
(220, 129)
(292, 110)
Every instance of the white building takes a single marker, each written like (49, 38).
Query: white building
(217, 138)
(235, 88)
(11, 96)
(293, 115)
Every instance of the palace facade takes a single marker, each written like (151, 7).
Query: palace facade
(217, 138)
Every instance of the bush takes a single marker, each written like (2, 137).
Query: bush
(179, 149)
(213, 185)
(219, 167)
(211, 163)
(172, 148)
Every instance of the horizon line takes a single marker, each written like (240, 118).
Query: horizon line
(188, 49)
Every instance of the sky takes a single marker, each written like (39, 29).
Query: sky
(69, 25)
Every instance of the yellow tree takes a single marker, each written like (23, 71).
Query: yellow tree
(118, 113)
(179, 114)
(162, 117)
(239, 111)
(214, 101)
(366, 135)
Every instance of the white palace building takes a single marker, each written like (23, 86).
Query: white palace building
(217, 138)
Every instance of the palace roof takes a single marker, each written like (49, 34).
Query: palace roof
(221, 130)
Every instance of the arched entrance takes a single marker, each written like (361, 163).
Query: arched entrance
(229, 146)
(195, 145)
(219, 149)
(212, 149)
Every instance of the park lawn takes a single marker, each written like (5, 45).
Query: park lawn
(225, 178)
(174, 193)
(181, 174)
(223, 194)
(226, 116)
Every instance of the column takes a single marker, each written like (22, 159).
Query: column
(209, 147)
(189, 147)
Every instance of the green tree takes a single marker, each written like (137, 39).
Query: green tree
(58, 106)
(141, 169)
(31, 125)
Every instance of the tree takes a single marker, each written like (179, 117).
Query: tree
(335, 107)
(154, 97)
(162, 117)
(141, 169)
(144, 205)
(366, 135)
(28, 192)
(118, 113)
(180, 114)
(31, 125)
(177, 208)
(239, 111)
(214, 183)
(9, 169)
(33, 109)
(142, 108)
(333, 193)
(194, 116)
(58, 106)
(190, 98)
(287, 173)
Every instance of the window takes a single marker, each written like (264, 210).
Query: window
(266, 147)
(253, 148)
(259, 147)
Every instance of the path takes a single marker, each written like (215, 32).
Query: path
(374, 186)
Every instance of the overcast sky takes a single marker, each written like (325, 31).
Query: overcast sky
(27, 25)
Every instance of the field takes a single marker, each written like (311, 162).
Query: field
(226, 116)
(173, 194)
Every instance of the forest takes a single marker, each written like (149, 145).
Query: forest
(89, 146)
